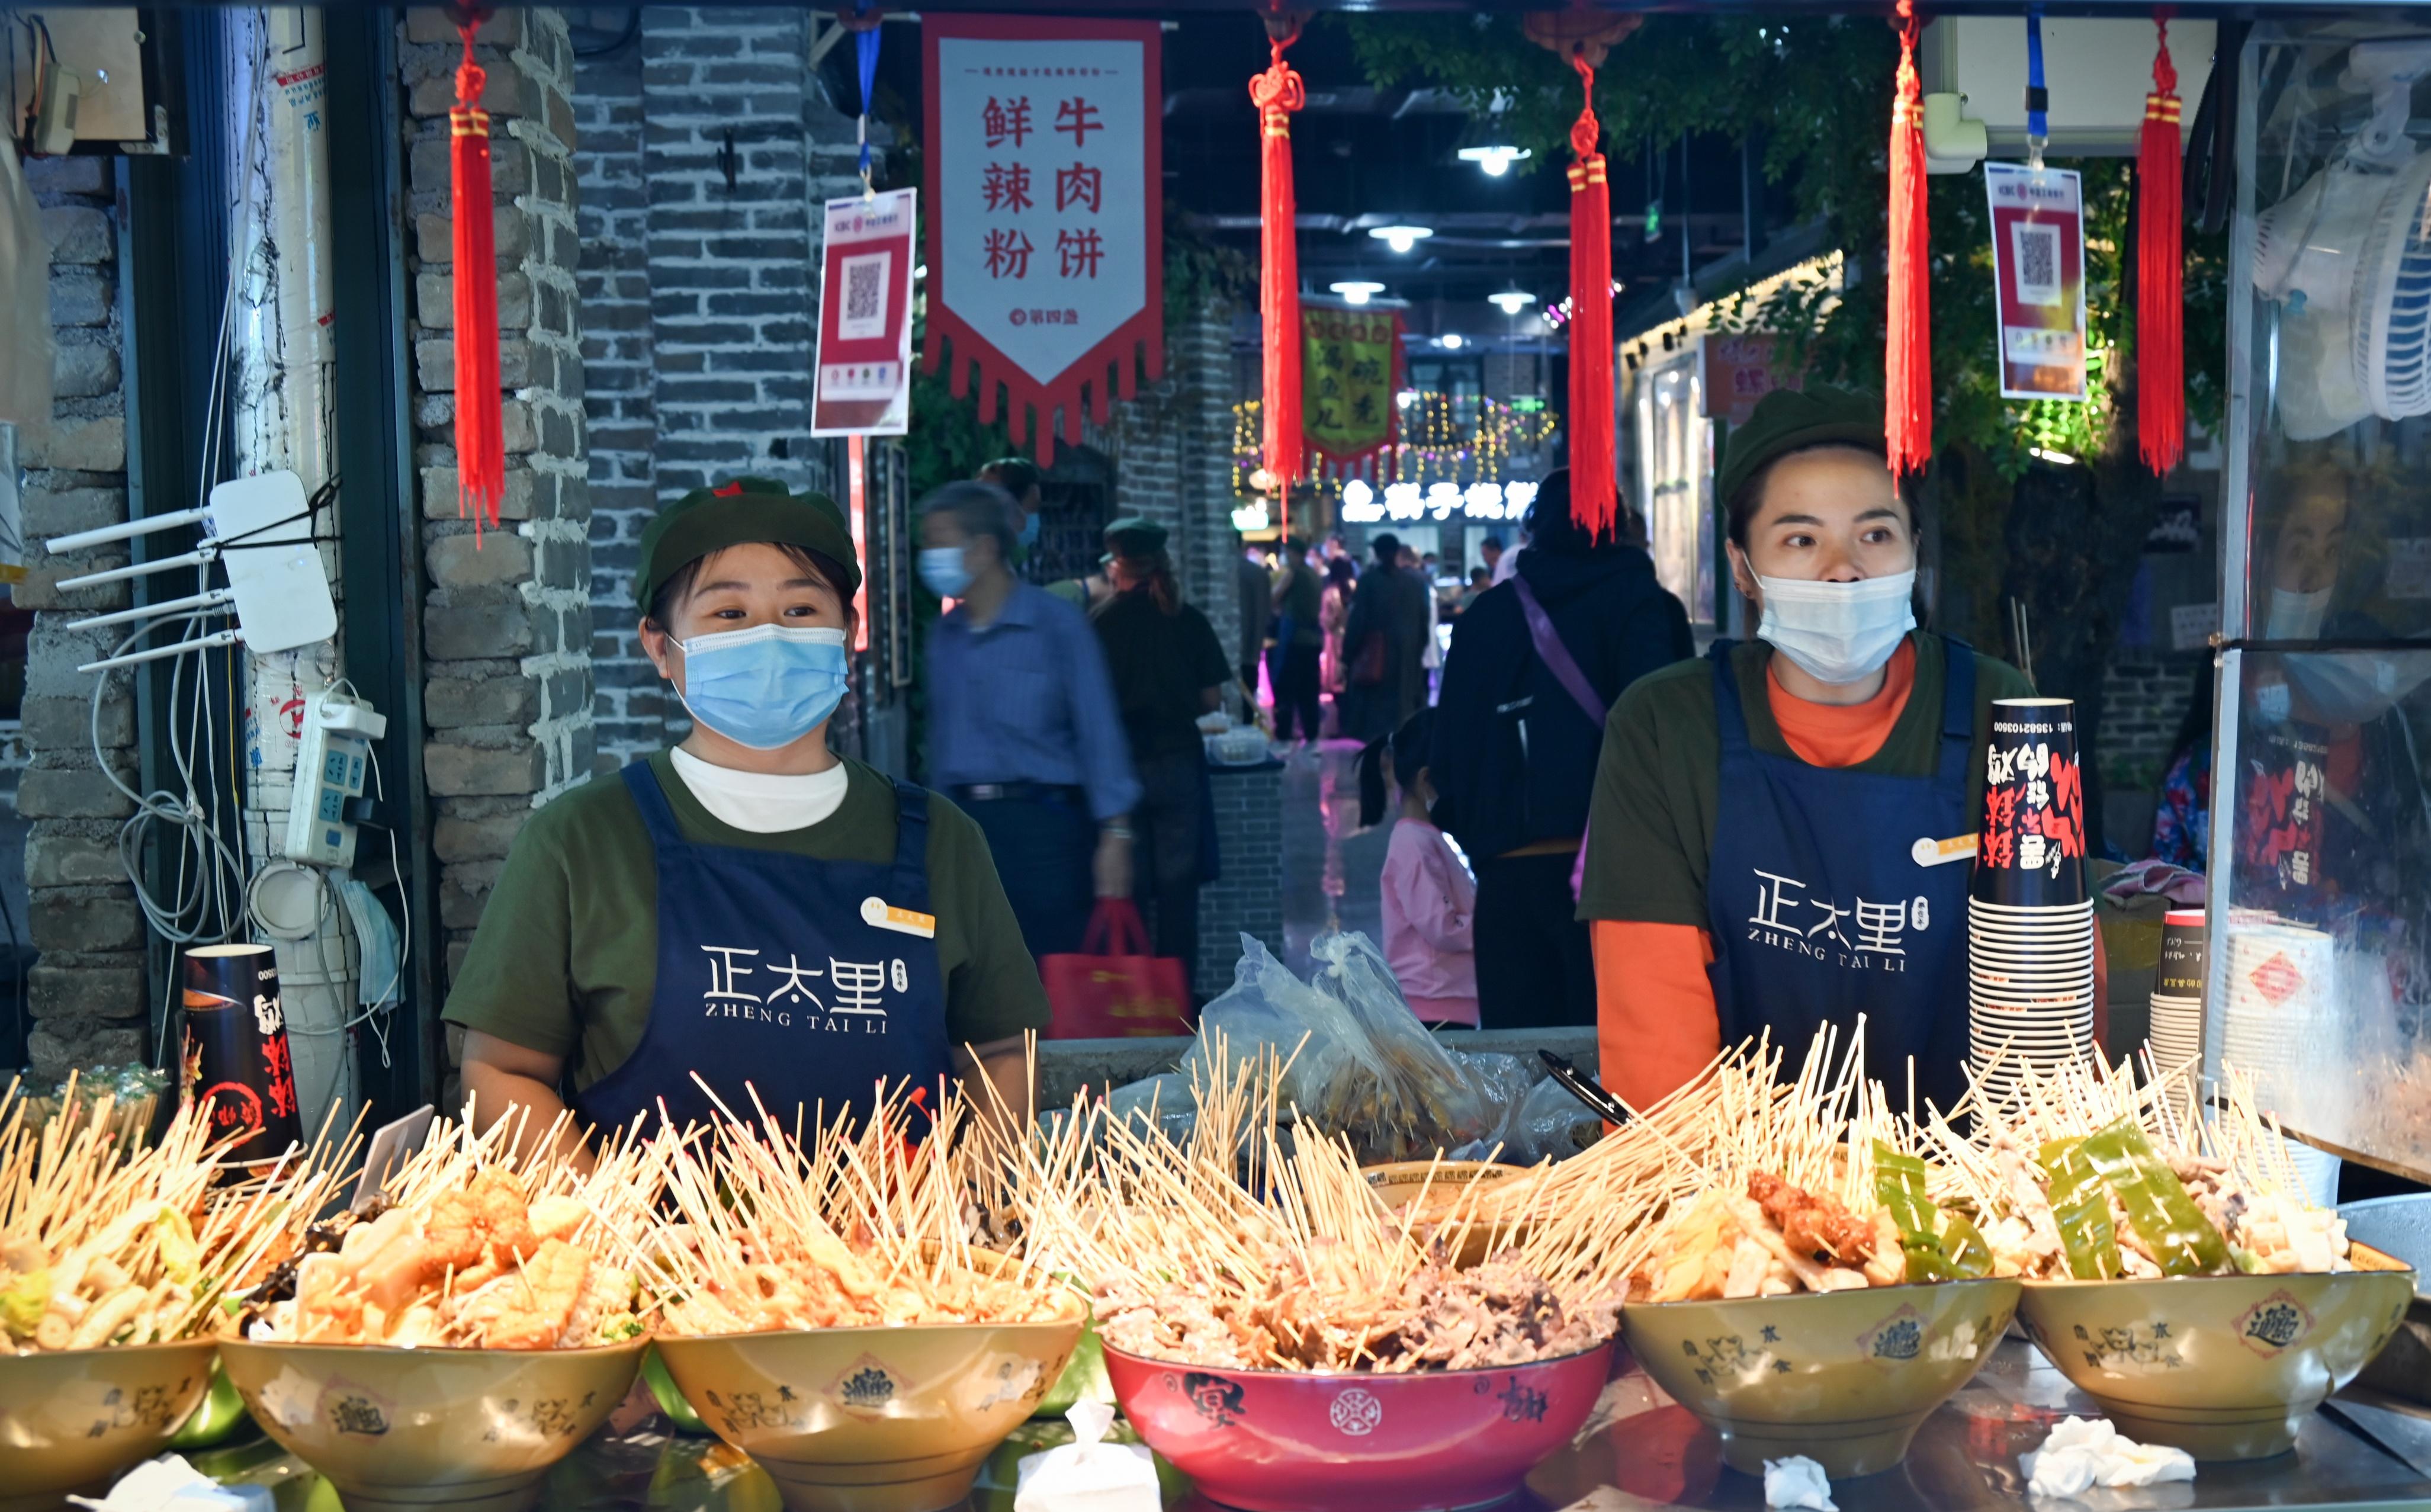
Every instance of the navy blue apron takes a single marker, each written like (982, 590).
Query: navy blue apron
(1819, 910)
(807, 980)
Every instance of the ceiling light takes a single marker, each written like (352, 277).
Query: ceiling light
(1358, 291)
(1451, 341)
(1511, 301)
(1495, 161)
(1402, 238)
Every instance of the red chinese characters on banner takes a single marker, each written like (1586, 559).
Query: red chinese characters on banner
(1046, 246)
(2281, 835)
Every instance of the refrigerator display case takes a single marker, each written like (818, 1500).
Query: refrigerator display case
(2319, 896)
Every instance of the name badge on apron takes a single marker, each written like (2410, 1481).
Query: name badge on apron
(1931, 852)
(880, 914)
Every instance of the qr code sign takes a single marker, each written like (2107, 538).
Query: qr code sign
(863, 313)
(2035, 256)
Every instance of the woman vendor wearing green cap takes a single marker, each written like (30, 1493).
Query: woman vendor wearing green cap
(747, 908)
(1753, 860)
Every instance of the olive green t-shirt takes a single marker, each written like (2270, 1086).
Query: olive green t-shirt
(566, 958)
(1659, 783)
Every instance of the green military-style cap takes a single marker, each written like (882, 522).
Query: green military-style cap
(737, 513)
(1787, 420)
(1135, 532)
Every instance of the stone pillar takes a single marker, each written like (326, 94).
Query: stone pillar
(86, 997)
(506, 625)
(698, 294)
(1171, 449)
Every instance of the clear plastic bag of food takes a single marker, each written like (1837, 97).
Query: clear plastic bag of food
(1419, 1101)
(1503, 1080)
(1269, 1009)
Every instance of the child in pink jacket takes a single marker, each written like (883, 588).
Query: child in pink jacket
(1430, 898)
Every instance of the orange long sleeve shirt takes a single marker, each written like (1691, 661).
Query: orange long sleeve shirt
(1656, 1025)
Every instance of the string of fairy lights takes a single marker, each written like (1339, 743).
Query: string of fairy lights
(1445, 438)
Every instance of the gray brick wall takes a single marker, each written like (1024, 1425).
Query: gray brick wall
(88, 997)
(697, 298)
(1170, 452)
(1249, 897)
(506, 625)
(2145, 696)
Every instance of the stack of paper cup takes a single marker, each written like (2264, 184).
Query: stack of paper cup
(2280, 996)
(2178, 991)
(2030, 930)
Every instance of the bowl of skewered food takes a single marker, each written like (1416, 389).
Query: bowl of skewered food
(1284, 1336)
(826, 1314)
(112, 1263)
(2173, 1270)
(449, 1348)
(1808, 1295)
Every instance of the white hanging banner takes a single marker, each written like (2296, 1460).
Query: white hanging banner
(1046, 198)
(2039, 277)
(862, 385)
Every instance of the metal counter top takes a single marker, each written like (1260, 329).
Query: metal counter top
(1641, 1453)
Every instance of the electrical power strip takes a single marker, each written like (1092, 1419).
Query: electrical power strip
(330, 768)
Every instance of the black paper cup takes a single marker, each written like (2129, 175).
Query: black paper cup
(2030, 838)
(236, 1064)
(2182, 954)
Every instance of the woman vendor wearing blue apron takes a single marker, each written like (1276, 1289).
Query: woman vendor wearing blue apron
(1763, 851)
(748, 907)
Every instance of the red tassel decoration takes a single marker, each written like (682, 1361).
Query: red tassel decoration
(2160, 303)
(1277, 92)
(481, 422)
(1907, 353)
(1594, 473)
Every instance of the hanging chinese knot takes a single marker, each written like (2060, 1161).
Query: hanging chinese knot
(1583, 38)
(1277, 92)
(2160, 306)
(480, 423)
(1907, 354)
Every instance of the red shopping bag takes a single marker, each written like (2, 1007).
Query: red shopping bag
(1114, 988)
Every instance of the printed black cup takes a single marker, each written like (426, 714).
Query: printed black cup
(2182, 954)
(236, 1062)
(2029, 850)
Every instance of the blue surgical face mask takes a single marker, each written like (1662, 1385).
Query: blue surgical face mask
(765, 687)
(1029, 536)
(942, 569)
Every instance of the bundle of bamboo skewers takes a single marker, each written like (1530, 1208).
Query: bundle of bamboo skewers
(1234, 1245)
(107, 1242)
(475, 1245)
(2093, 1173)
(856, 1227)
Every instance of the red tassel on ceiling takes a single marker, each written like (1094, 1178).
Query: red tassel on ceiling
(480, 423)
(1907, 354)
(1277, 92)
(2161, 304)
(1594, 473)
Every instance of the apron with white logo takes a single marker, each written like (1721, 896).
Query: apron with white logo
(805, 981)
(1820, 909)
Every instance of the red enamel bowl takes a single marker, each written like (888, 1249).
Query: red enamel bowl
(1287, 1442)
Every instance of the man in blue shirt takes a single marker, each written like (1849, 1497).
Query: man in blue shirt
(1023, 729)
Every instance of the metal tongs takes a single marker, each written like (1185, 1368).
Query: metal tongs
(1584, 1088)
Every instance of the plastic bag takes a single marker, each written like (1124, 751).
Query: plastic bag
(1420, 1101)
(1163, 1103)
(1088, 1475)
(1503, 1080)
(1269, 1009)
(1548, 1124)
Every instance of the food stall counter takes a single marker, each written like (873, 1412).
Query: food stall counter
(1641, 1453)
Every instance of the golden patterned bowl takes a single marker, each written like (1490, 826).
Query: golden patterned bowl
(872, 1419)
(72, 1420)
(2222, 1367)
(1845, 1378)
(394, 1429)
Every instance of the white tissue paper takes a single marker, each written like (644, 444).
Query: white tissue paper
(170, 1483)
(2083, 1452)
(1088, 1475)
(1797, 1481)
